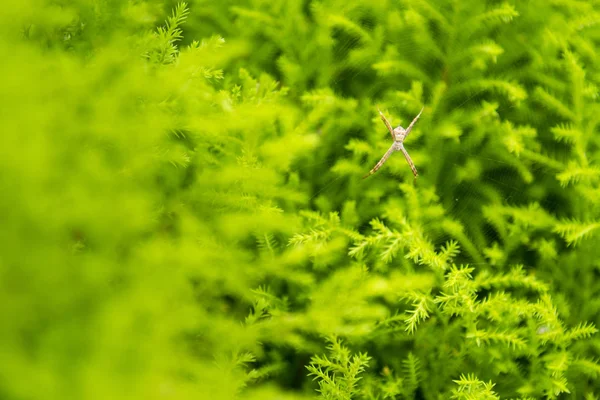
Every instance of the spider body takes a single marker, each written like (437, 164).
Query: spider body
(398, 135)
(397, 146)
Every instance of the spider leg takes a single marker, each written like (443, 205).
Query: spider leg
(387, 123)
(381, 162)
(409, 161)
(413, 122)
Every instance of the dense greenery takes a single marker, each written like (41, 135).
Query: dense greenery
(183, 215)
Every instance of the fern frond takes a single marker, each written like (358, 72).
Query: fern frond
(552, 103)
(460, 297)
(338, 377)
(245, 358)
(542, 159)
(573, 231)
(582, 331)
(516, 137)
(168, 35)
(574, 173)
(494, 254)
(493, 307)
(559, 385)
(313, 236)
(453, 303)
(266, 243)
(319, 97)
(471, 388)
(459, 277)
(411, 368)
(515, 278)
(399, 67)
(421, 251)
(176, 158)
(457, 230)
(566, 133)
(271, 301)
(585, 21)
(557, 363)
(345, 167)
(480, 54)
(419, 313)
(358, 147)
(449, 251)
(507, 338)
(177, 19)
(358, 249)
(391, 249)
(577, 76)
(347, 25)
(256, 375)
(323, 232)
(532, 216)
(487, 49)
(254, 15)
(429, 10)
(550, 326)
(503, 14)
(513, 91)
(213, 43)
(589, 367)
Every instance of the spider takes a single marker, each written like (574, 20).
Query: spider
(398, 135)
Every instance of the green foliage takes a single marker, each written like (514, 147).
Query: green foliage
(166, 37)
(338, 376)
(471, 388)
(183, 214)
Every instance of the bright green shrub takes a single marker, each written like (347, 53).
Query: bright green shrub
(183, 214)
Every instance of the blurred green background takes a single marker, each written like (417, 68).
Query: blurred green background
(183, 216)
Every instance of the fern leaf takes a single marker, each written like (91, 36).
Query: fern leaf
(553, 104)
(338, 377)
(471, 388)
(515, 138)
(503, 14)
(349, 26)
(515, 278)
(358, 250)
(412, 374)
(577, 75)
(449, 251)
(573, 231)
(589, 367)
(510, 339)
(419, 313)
(574, 173)
(559, 385)
(582, 331)
(266, 243)
(479, 53)
(399, 67)
(566, 133)
(557, 363)
(513, 91)
(430, 11)
(391, 249)
(358, 147)
(254, 15)
(314, 236)
(165, 50)
(178, 18)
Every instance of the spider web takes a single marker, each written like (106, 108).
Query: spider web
(462, 202)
